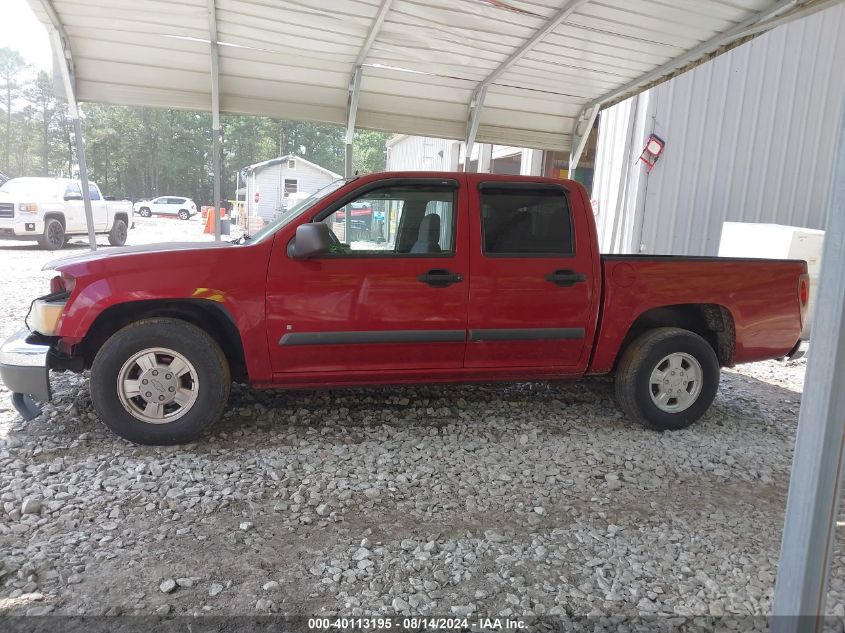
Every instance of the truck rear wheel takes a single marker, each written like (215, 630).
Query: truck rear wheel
(54, 235)
(117, 235)
(667, 378)
(159, 381)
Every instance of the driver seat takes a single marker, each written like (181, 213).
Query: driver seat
(428, 237)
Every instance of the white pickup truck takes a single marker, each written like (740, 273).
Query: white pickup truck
(51, 211)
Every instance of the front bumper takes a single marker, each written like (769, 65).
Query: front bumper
(800, 349)
(25, 371)
(21, 228)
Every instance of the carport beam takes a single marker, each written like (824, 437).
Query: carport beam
(580, 133)
(355, 87)
(351, 114)
(215, 113)
(812, 507)
(475, 106)
(779, 13)
(61, 48)
(480, 92)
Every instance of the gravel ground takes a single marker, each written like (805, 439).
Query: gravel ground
(525, 499)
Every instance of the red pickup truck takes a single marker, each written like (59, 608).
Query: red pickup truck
(479, 278)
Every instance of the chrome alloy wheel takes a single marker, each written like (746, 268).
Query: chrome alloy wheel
(676, 382)
(157, 385)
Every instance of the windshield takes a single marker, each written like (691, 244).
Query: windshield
(25, 187)
(295, 211)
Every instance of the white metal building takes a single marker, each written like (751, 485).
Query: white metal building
(747, 140)
(425, 153)
(422, 153)
(270, 184)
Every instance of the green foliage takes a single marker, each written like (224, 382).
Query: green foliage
(11, 66)
(136, 152)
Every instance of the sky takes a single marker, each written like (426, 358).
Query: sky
(20, 30)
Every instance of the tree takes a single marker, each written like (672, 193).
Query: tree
(40, 94)
(369, 152)
(11, 65)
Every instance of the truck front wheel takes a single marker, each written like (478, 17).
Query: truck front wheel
(159, 381)
(667, 378)
(54, 235)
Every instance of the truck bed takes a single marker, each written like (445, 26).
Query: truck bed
(759, 295)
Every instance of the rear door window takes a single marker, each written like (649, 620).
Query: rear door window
(522, 221)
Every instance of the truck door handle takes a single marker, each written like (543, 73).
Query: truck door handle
(440, 278)
(566, 277)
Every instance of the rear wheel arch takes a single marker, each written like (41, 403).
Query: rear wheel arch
(209, 316)
(713, 322)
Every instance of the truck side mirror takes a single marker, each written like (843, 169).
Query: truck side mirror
(73, 196)
(312, 239)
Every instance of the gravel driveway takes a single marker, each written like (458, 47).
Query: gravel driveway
(449, 500)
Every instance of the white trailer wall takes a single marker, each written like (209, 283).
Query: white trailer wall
(747, 139)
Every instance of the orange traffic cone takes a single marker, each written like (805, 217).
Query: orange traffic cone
(209, 221)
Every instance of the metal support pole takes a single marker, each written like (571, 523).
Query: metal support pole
(215, 113)
(475, 106)
(61, 48)
(238, 196)
(347, 215)
(815, 484)
(355, 88)
(485, 158)
(580, 133)
(351, 114)
(83, 179)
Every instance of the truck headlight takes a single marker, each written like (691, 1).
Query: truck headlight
(28, 207)
(46, 311)
(46, 316)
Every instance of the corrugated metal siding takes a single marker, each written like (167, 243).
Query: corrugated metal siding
(747, 140)
(617, 174)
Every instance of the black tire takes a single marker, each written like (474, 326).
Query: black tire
(184, 214)
(118, 233)
(144, 212)
(206, 357)
(53, 238)
(635, 391)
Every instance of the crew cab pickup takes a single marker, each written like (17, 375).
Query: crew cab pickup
(50, 211)
(478, 278)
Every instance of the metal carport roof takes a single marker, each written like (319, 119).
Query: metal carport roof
(410, 66)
